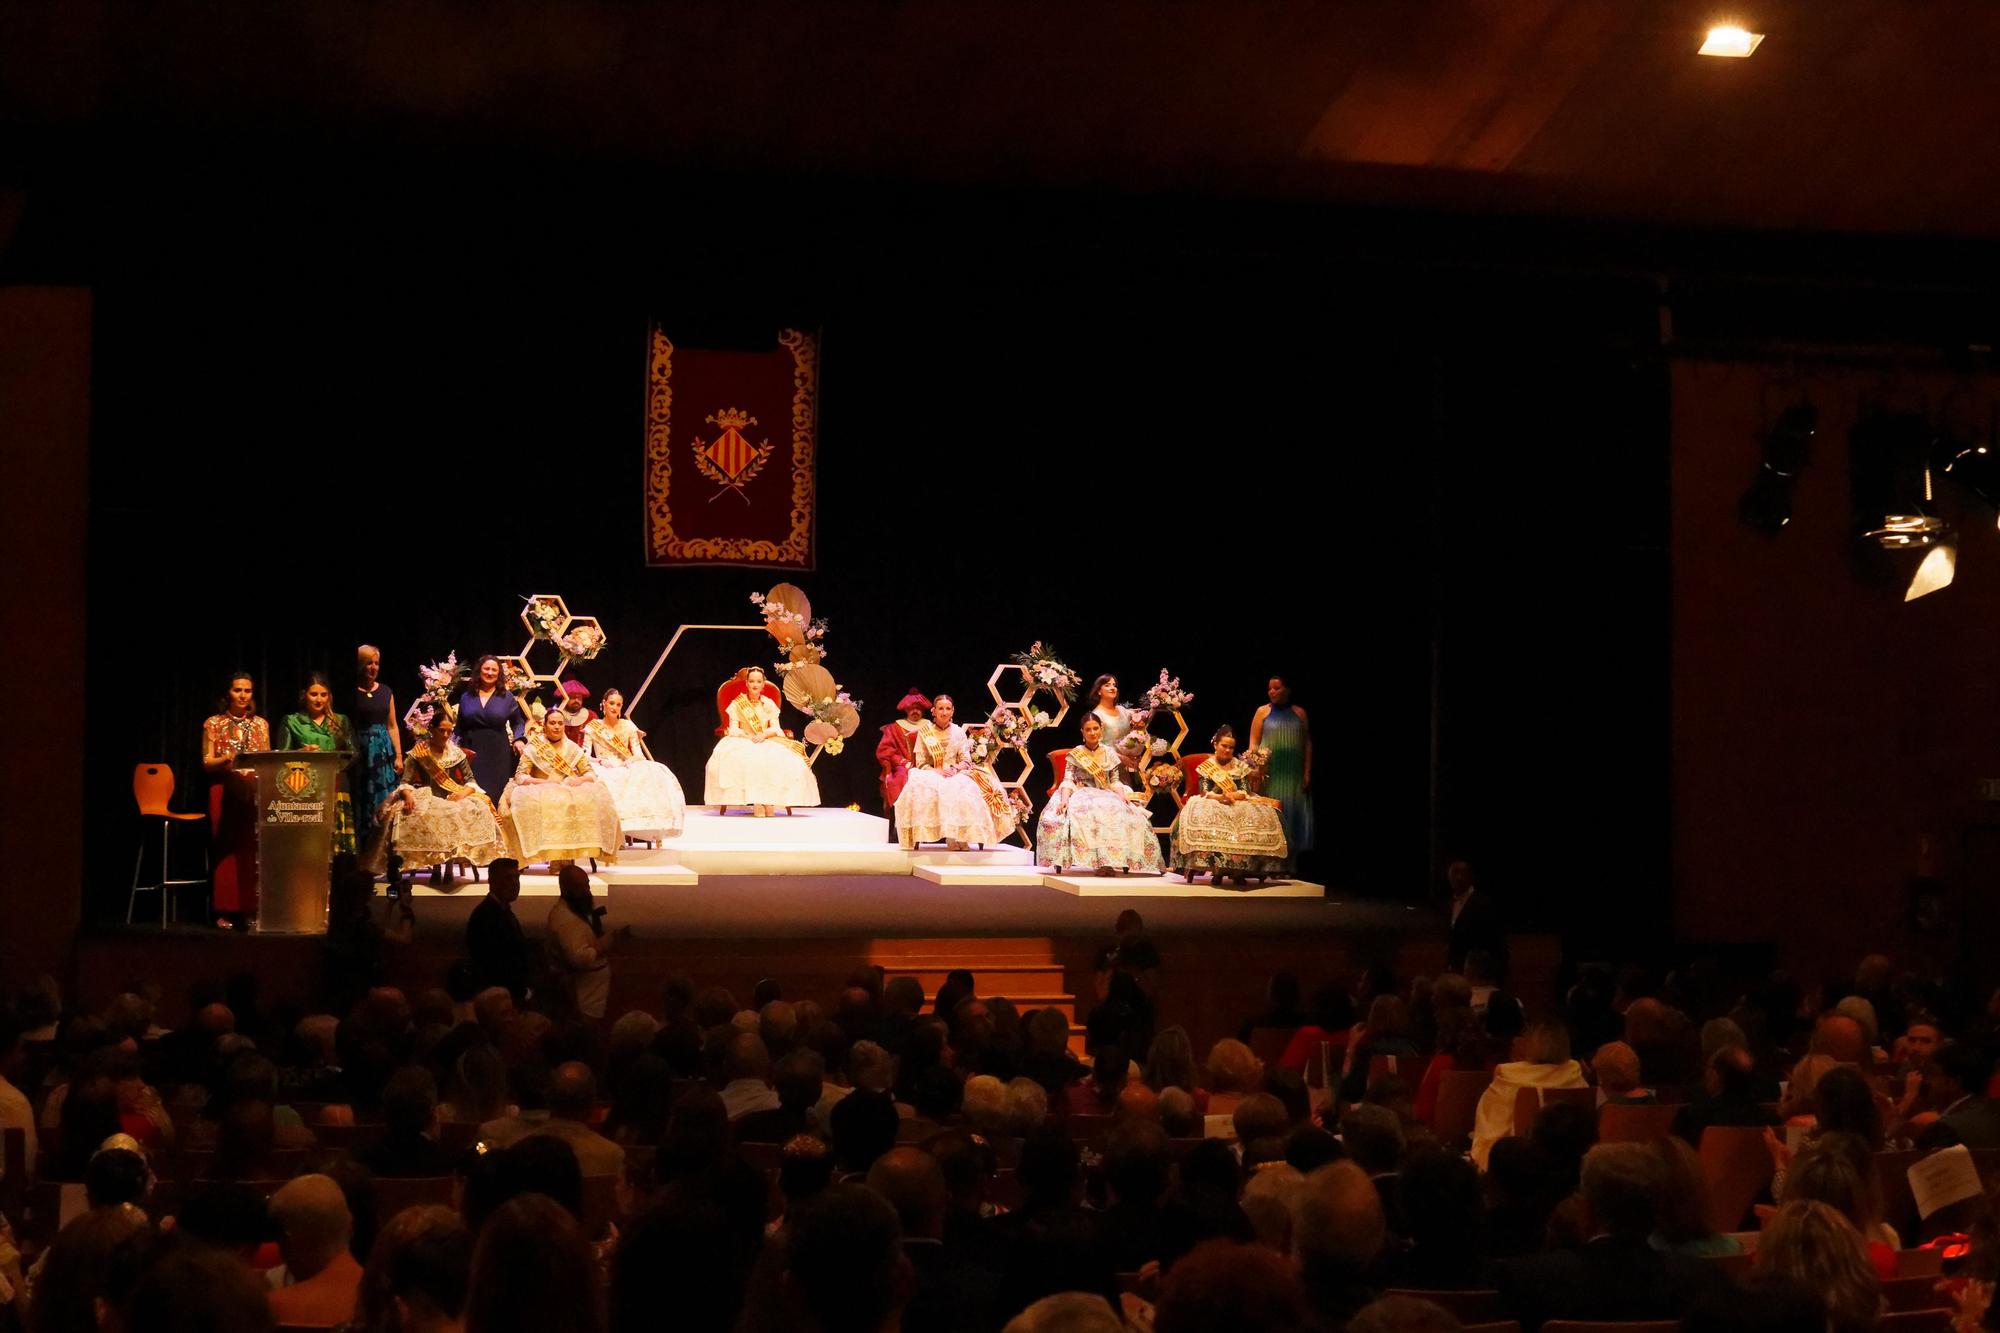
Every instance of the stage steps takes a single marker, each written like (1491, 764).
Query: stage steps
(1025, 971)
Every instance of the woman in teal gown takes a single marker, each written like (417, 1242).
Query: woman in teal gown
(1281, 727)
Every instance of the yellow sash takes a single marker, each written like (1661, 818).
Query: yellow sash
(601, 732)
(436, 774)
(550, 759)
(933, 741)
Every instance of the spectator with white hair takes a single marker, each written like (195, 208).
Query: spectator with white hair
(313, 1228)
(1027, 1106)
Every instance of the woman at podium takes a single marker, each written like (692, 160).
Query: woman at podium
(317, 727)
(755, 763)
(556, 809)
(1093, 820)
(232, 798)
(440, 814)
(646, 792)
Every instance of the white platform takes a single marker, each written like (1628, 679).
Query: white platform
(534, 884)
(1173, 886)
(998, 873)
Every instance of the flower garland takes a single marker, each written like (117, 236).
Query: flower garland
(1046, 671)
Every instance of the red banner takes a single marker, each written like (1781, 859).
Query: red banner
(730, 442)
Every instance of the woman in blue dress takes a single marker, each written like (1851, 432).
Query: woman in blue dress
(1281, 727)
(492, 727)
(378, 741)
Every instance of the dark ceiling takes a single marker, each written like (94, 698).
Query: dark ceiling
(1855, 116)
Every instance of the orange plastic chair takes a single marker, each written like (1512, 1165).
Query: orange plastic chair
(1634, 1124)
(1737, 1167)
(1459, 1091)
(152, 790)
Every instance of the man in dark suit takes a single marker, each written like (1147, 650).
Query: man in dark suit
(1475, 918)
(1616, 1274)
(493, 937)
(1959, 1073)
(1729, 1097)
(799, 1079)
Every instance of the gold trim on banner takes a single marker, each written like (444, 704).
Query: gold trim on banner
(662, 544)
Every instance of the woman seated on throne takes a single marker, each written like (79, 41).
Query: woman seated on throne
(945, 798)
(755, 763)
(439, 815)
(646, 792)
(555, 809)
(1225, 828)
(1094, 820)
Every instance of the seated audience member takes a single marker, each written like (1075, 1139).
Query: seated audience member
(1210, 1181)
(747, 1074)
(415, 1280)
(947, 1293)
(968, 1163)
(1259, 1119)
(408, 1147)
(1047, 1059)
(1061, 1249)
(1331, 1024)
(1234, 1072)
(1098, 1094)
(1616, 1066)
(74, 1271)
(1068, 1312)
(478, 1086)
(1660, 1036)
(1617, 1274)
(313, 1229)
(1817, 1247)
(1386, 1032)
(1338, 1235)
(800, 1079)
(844, 1263)
(1027, 1107)
(1170, 1063)
(1281, 1006)
(1521, 1192)
(1310, 1147)
(1442, 1222)
(1403, 1314)
(1800, 1103)
(1545, 1063)
(864, 1127)
(572, 1098)
(805, 1167)
(1373, 1137)
(1841, 1038)
(533, 1272)
(684, 1261)
(642, 1095)
(1138, 1166)
(187, 1286)
(1845, 1104)
(1762, 1303)
(1728, 1097)
(1270, 1200)
(1178, 1114)
(1838, 1170)
(984, 1104)
(1683, 1204)
(1225, 1286)
(1136, 1101)
(1957, 1082)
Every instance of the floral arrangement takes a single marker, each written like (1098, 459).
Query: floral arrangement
(1045, 671)
(440, 678)
(832, 711)
(516, 677)
(583, 642)
(545, 615)
(1168, 694)
(1013, 728)
(982, 745)
(1165, 777)
(1138, 745)
(1258, 759)
(419, 715)
(1023, 803)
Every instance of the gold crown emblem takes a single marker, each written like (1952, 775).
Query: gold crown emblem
(732, 418)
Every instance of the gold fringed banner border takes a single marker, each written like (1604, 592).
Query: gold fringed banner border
(726, 394)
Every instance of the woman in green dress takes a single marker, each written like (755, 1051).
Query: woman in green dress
(317, 727)
(1280, 726)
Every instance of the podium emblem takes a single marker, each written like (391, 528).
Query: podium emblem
(298, 781)
(730, 460)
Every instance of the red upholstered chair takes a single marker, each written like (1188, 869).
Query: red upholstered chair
(1191, 780)
(727, 696)
(1059, 761)
(1459, 1091)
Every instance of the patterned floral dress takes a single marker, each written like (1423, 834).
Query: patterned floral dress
(1230, 837)
(232, 810)
(549, 821)
(647, 794)
(1091, 823)
(329, 735)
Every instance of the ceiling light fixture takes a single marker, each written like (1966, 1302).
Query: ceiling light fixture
(1729, 40)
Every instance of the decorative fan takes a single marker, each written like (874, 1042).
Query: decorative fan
(806, 686)
(787, 612)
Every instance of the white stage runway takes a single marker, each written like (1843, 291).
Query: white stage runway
(832, 841)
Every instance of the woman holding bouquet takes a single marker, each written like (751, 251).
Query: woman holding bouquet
(1092, 820)
(378, 741)
(755, 763)
(647, 794)
(1225, 828)
(491, 725)
(440, 813)
(232, 799)
(1281, 727)
(555, 809)
(317, 727)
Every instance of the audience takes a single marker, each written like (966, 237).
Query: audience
(1814, 1245)
(417, 1274)
(1545, 1063)
(533, 1272)
(313, 1231)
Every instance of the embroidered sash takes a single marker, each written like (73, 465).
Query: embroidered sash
(439, 776)
(1223, 778)
(601, 732)
(933, 745)
(549, 759)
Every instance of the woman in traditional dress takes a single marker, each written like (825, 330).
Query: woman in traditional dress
(1104, 706)
(440, 814)
(647, 794)
(937, 751)
(556, 809)
(892, 752)
(492, 727)
(973, 808)
(1281, 727)
(232, 800)
(755, 763)
(1225, 828)
(1092, 820)
(315, 726)
(378, 741)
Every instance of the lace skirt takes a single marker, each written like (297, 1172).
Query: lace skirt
(973, 807)
(551, 822)
(1097, 829)
(919, 818)
(747, 772)
(648, 797)
(437, 830)
(1234, 837)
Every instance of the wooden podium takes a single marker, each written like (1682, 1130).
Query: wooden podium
(295, 818)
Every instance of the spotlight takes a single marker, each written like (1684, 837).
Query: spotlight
(1787, 447)
(1939, 565)
(1729, 40)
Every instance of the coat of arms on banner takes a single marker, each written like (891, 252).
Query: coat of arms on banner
(716, 418)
